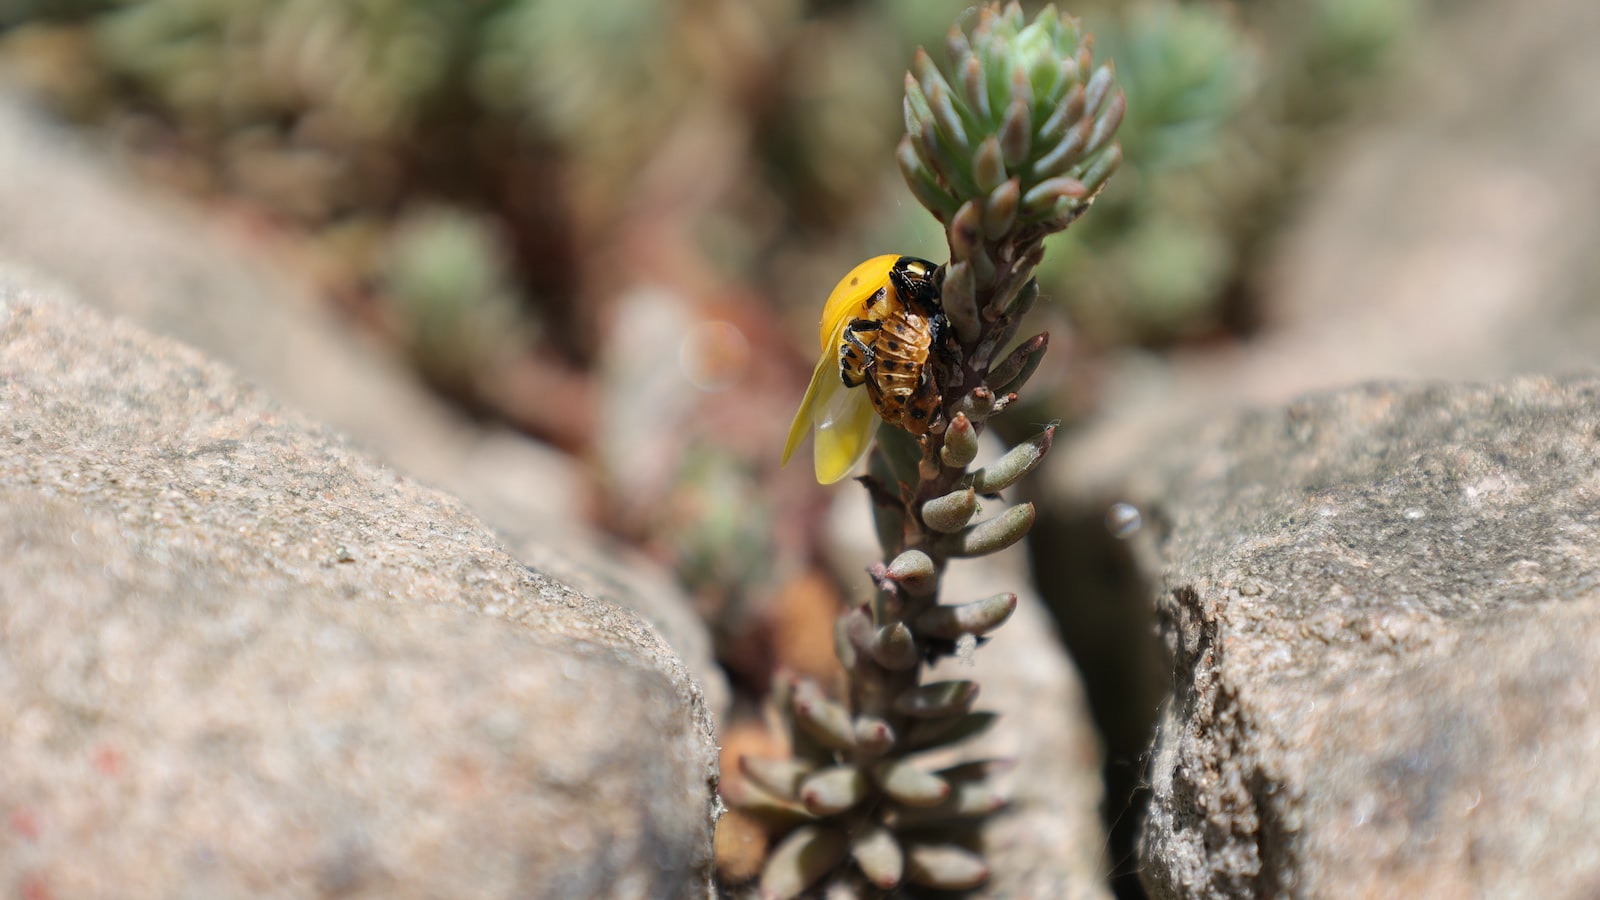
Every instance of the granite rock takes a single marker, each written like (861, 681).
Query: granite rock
(238, 658)
(1446, 231)
(1383, 612)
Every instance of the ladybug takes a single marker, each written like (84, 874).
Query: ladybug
(877, 329)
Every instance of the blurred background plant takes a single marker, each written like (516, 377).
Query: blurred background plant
(1168, 254)
(446, 277)
(611, 224)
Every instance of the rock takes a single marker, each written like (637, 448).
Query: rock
(237, 657)
(212, 281)
(1382, 608)
(1447, 232)
(1049, 841)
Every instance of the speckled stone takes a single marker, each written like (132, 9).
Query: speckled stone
(1383, 609)
(238, 658)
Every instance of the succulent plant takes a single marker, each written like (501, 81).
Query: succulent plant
(446, 277)
(1011, 146)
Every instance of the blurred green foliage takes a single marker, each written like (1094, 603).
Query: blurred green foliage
(372, 66)
(545, 113)
(446, 275)
(1227, 105)
(16, 12)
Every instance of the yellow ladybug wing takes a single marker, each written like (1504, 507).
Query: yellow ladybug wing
(844, 419)
(845, 423)
(802, 419)
(849, 299)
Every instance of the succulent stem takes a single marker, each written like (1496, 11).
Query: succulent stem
(1010, 149)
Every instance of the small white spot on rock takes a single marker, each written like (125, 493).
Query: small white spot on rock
(1363, 812)
(1123, 520)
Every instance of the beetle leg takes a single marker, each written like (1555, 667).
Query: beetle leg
(855, 355)
(877, 297)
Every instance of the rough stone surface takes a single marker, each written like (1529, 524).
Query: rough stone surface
(1384, 612)
(239, 659)
(1049, 841)
(213, 281)
(1448, 232)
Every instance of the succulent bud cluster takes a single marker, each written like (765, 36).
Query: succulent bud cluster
(1017, 147)
(1016, 152)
